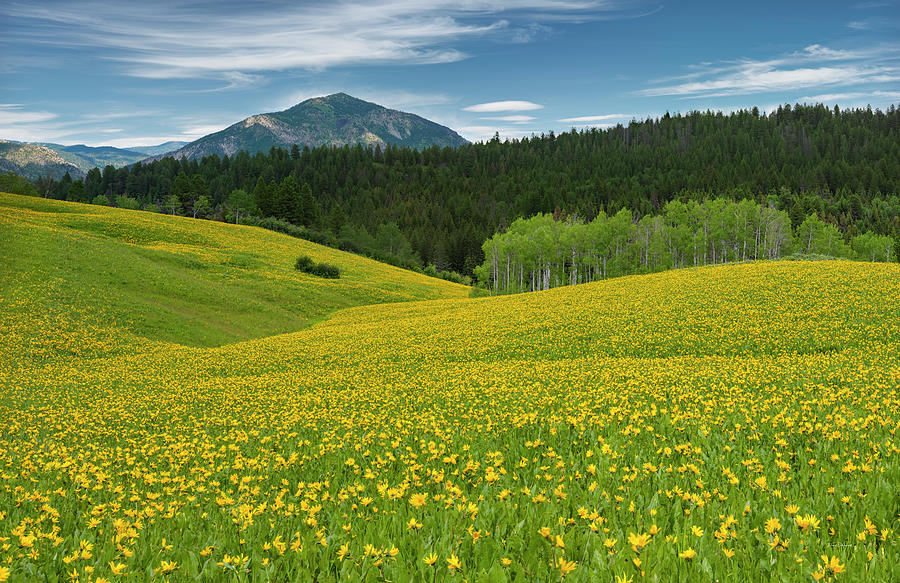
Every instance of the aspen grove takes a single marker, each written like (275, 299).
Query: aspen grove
(551, 250)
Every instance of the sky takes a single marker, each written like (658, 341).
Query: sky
(123, 73)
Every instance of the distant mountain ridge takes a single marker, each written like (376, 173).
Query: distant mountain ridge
(87, 157)
(335, 120)
(332, 120)
(34, 161)
(37, 159)
(158, 149)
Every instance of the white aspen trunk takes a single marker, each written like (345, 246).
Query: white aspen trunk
(706, 242)
(507, 273)
(574, 268)
(495, 269)
(756, 244)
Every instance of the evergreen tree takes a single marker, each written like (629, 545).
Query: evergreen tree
(77, 193)
(93, 184)
(308, 209)
(265, 200)
(288, 204)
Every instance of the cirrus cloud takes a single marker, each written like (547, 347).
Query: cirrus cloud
(235, 41)
(497, 106)
(813, 66)
(595, 118)
(512, 118)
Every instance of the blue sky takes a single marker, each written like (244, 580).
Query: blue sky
(129, 73)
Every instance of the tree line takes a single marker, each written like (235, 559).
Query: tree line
(842, 165)
(552, 250)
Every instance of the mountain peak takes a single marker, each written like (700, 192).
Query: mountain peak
(342, 103)
(331, 120)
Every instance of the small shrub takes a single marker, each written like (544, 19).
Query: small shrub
(326, 270)
(304, 263)
(126, 202)
(307, 265)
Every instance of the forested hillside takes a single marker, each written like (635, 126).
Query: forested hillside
(843, 166)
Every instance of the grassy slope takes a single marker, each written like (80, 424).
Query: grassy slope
(181, 280)
(740, 368)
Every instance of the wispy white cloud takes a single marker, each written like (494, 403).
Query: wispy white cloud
(530, 32)
(237, 80)
(760, 79)
(512, 118)
(813, 66)
(595, 118)
(196, 132)
(874, 24)
(118, 114)
(497, 106)
(19, 123)
(874, 4)
(817, 51)
(851, 96)
(13, 114)
(136, 141)
(236, 41)
(33, 132)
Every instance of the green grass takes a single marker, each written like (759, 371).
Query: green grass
(174, 279)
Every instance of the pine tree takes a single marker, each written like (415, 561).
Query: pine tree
(308, 209)
(288, 204)
(264, 199)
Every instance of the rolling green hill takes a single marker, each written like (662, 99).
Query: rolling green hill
(177, 279)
